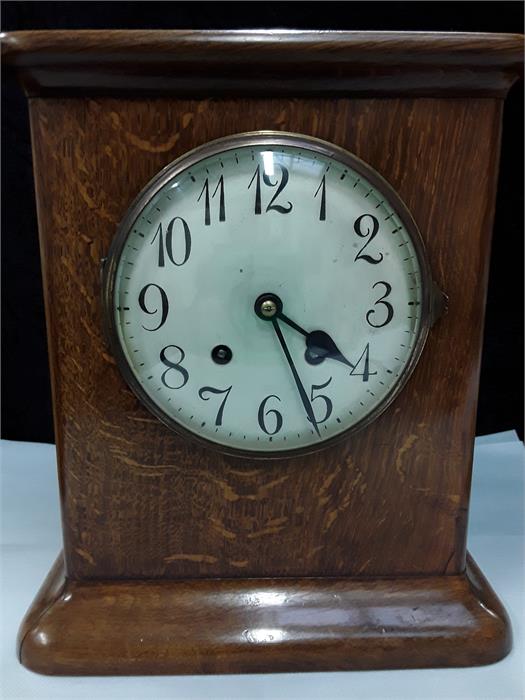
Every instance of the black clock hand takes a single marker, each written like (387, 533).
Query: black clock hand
(302, 393)
(319, 344)
(291, 323)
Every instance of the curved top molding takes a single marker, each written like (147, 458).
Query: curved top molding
(263, 62)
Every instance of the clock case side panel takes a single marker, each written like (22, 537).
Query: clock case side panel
(393, 500)
(44, 205)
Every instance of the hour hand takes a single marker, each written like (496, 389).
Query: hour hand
(320, 346)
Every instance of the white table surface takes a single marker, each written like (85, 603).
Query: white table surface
(31, 539)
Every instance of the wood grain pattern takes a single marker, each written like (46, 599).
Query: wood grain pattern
(264, 62)
(256, 626)
(177, 559)
(137, 500)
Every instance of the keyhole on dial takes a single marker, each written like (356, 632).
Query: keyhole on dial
(221, 354)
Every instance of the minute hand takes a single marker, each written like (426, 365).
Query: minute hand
(302, 393)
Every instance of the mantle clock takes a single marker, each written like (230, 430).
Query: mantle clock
(265, 259)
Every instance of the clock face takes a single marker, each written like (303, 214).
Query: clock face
(267, 293)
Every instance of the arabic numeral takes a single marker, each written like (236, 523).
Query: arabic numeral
(268, 182)
(362, 366)
(328, 406)
(166, 243)
(145, 296)
(367, 226)
(322, 190)
(371, 314)
(173, 366)
(206, 193)
(211, 390)
(263, 415)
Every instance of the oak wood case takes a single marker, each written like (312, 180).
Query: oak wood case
(262, 625)
(263, 62)
(140, 502)
(363, 507)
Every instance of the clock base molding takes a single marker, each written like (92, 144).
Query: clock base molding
(115, 627)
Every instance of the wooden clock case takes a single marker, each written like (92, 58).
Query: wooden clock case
(177, 559)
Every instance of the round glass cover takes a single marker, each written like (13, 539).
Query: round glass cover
(266, 293)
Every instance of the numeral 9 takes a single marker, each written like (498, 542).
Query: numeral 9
(164, 305)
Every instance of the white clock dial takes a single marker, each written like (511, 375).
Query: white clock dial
(266, 293)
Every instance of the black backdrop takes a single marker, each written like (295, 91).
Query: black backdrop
(26, 402)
